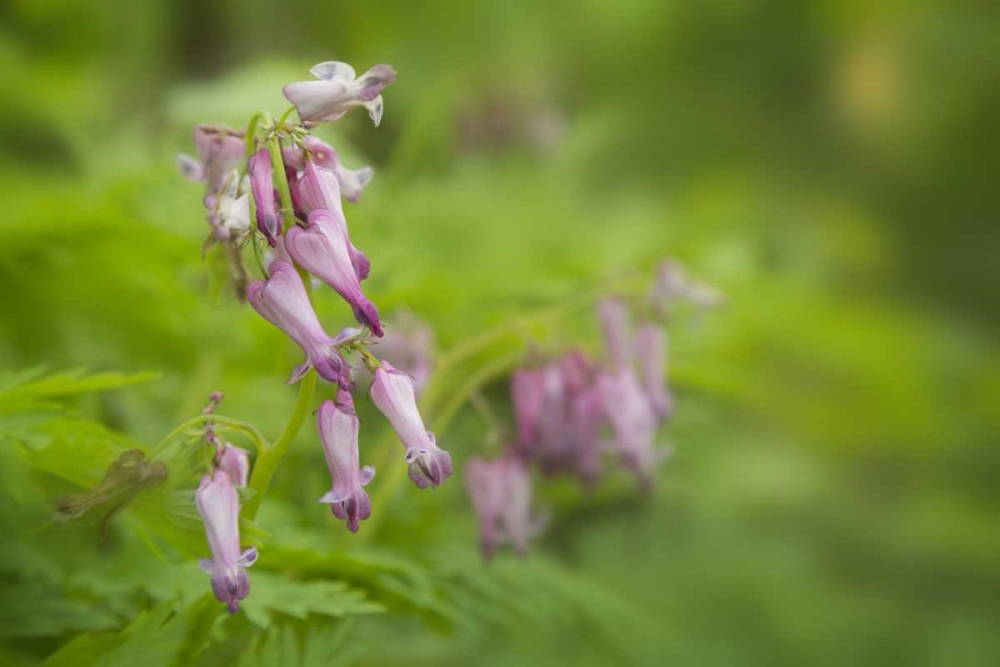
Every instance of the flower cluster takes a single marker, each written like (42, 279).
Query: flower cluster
(277, 189)
(572, 410)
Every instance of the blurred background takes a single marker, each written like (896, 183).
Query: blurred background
(829, 166)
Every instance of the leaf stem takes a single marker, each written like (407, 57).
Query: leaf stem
(267, 462)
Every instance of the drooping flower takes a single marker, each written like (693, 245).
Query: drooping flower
(392, 392)
(264, 195)
(614, 318)
(323, 249)
(586, 416)
(338, 429)
(234, 461)
(528, 396)
(337, 90)
(219, 507)
(633, 422)
(220, 150)
(282, 300)
(352, 181)
(500, 491)
(651, 351)
(318, 189)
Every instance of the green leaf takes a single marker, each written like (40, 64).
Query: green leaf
(282, 595)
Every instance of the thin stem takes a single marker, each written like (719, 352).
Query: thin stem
(284, 116)
(247, 429)
(256, 251)
(252, 133)
(267, 462)
(278, 164)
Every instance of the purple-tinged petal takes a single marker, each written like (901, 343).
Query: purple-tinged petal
(218, 505)
(528, 396)
(338, 429)
(501, 492)
(392, 392)
(220, 150)
(235, 462)
(262, 185)
(282, 300)
(319, 189)
(331, 96)
(633, 422)
(190, 168)
(323, 249)
(651, 351)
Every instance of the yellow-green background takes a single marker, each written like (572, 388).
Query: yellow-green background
(830, 166)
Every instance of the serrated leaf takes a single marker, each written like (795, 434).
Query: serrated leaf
(271, 593)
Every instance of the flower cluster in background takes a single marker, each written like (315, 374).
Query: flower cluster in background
(275, 191)
(574, 412)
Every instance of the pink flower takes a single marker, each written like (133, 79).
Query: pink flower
(633, 422)
(219, 506)
(262, 184)
(500, 491)
(651, 351)
(234, 461)
(528, 395)
(338, 429)
(337, 91)
(352, 181)
(392, 393)
(282, 301)
(220, 150)
(323, 249)
(318, 189)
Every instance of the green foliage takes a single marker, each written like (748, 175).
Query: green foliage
(826, 165)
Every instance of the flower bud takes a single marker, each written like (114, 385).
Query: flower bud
(262, 185)
(392, 393)
(338, 429)
(219, 507)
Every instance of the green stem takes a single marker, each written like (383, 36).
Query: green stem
(278, 164)
(284, 116)
(251, 133)
(267, 462)
(247, 429)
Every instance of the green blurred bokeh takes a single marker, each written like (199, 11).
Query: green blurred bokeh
(829, 166)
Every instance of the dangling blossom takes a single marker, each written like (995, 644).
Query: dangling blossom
(633, 422)
(352, 181)
(219, 507)
(614, 318)
(651, 351)
(500, 491)
(318, 189)
(338, 429)
(527, 388)
(234, 461)
(586, 417)
(392, 392)
(264, 195)
(337, 90)
(323, 249)
(220, 150)
(282, 300)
